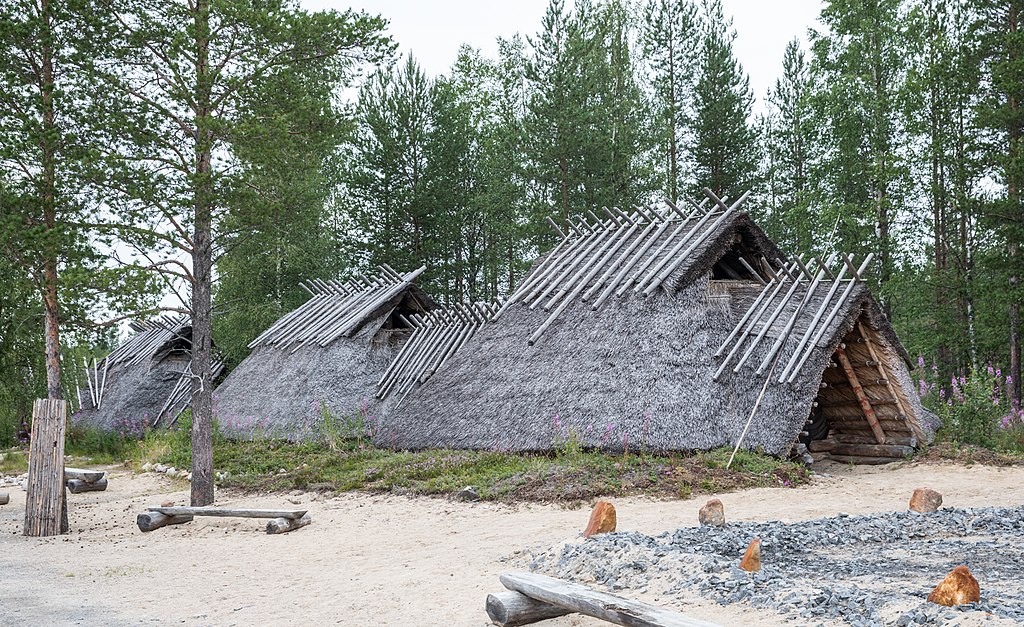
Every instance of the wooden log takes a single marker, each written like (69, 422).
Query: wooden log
(851, 438)
(284, 525)
(511, 609)
(44, 499)
(88, 476)
(229, 512)
(821, 446)
(856, 403)
(865, 404)
(77, 486)
(872, 450)
(856, 459)
(5, 498)
(881, 368)
(150, 521)
(607, 607)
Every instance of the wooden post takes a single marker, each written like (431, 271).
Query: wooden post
(45, 501)
(865, 404)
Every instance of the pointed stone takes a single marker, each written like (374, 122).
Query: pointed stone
(751, 561)
(602, 519)
(959, 587)
(925, 500)
(713, 513)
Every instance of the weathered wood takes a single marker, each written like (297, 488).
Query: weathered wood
(856, 403)
(284, 525)
(150, 521)
(77, 486)
(5, 498)
(851, 438)
(821, 446)
(89, 476)
(865, 404)
(511, 609)
(44, 500)
(872, 450)
(584, 600)
(881, 368)
(229, 512)
(856, 459)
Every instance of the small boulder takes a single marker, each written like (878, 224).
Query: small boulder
(925, 500)
(602, 519)
(713, 513)
(147, 467)
(751, 561)
(959, 587)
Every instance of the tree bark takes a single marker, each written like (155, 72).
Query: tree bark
(202, 265)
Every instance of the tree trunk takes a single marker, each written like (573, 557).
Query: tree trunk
(202, 264)
(49, 206)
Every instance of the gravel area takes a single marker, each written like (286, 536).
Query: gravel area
(859, 570)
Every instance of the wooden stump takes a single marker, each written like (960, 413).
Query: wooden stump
(284, 525)
(45, 501)
(511, 609)
(5, 498)
(149, 521)
(77, 486)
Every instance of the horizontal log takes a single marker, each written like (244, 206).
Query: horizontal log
(5, 498)
(226, 512)
(607, 607)
(873, 450)
(89, 476)
(149, 521)
(855, 403)
(823, 446)
(856, 459)
(511, 609)
(284, 525)
(852, 438)
(77, 486)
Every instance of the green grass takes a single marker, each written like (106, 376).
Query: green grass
(13, 461)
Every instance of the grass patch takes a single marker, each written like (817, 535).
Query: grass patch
(13, 461)
(945, 451)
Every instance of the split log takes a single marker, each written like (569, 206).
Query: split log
(149, 521)
(88, 476)
(5, 498)
(284, 525)
(228, 512)
(45, 506)
(607, 607)
(873, 450)
(867, 461)
(77, 486)
(511, 609)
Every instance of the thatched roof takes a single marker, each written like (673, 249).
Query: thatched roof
(322, 361)
(144, 382)
(612, 337)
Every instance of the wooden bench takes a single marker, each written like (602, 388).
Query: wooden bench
(281, 520)
(79, 480)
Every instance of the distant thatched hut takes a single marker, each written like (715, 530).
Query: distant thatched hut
(664, 330)
(144, 382)
(324, 359)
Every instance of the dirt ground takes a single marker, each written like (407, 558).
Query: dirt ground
(378, 560)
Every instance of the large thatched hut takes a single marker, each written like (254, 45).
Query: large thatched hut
(323, 360)
(144, 382)
(668, 330)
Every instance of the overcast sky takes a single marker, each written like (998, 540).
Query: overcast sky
(435, 30)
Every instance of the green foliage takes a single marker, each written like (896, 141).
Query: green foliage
(976, 409)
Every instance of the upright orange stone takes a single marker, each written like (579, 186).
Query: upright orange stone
(751, 561)
(602, 519)
(957, 588)
(925, 500)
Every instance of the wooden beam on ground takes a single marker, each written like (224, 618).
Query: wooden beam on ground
(89, 476)
(77, 486)
(45, 499)
(865, 404)
(229, 512)
(284, 525)
(850, 438)
(512, 609)
(150, 521)
(607, 607)
(872, 450)
(866, 461)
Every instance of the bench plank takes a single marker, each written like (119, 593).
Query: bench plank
(229, 512)
(88, 476)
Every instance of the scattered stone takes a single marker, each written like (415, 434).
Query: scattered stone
(713, 513)
(602, 519)
(925, 500)
(468, 493)
(147, 467)
(751, 561)
(958, 588)
(282, 471)
(167, 504)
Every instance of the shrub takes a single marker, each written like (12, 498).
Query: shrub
(976, 408)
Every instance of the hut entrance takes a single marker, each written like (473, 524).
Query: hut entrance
(860, 414)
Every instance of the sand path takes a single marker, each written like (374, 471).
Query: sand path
(377, 560)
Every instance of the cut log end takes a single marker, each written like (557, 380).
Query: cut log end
(284, 525)
(150, 521)
(510, 609)
(77, 486)
(5, 498)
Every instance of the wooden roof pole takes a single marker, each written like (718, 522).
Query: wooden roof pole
(881, 369)
(865, 404)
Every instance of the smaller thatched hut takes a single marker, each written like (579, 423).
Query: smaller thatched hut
(144, 382)
(323, 361)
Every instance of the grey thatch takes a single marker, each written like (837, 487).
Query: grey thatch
(323, 360)
(144, 382)
(639, 370)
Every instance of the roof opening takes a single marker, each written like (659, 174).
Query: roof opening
(740, 263)
(180, 344)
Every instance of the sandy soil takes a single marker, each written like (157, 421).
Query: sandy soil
(377, 560)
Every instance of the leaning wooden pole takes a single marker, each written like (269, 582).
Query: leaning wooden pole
(862, 398)
(45, 499)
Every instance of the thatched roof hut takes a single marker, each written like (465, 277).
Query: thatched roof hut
(322, 361)
(669, 330)
(144, 382)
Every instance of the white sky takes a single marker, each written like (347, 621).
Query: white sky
(435, 30)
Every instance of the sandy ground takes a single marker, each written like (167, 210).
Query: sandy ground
(377, 560)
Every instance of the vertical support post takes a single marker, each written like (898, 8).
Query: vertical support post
(865, 404)
(45, 501)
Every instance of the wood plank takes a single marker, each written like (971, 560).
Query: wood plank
(511, 609)
(77, 486)
(607, 607)
(229, 512)
(284, 525)
(864, 403)
(89, 476)
(45, 499)
(150, 521)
